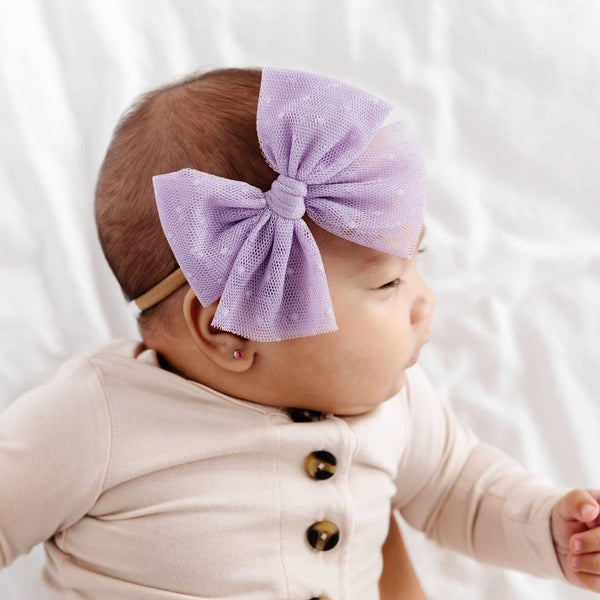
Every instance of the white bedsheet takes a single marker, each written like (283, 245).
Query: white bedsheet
(504, 97)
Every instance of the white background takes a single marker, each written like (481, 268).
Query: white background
(504, 98)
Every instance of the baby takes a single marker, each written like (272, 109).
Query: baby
(258, 441)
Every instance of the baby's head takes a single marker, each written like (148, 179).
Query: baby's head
(382, 307)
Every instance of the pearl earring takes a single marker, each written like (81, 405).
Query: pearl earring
(237, 354)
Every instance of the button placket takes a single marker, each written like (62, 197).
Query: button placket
(319, 465)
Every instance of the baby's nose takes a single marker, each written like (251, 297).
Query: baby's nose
(423, 308)
(429, 302)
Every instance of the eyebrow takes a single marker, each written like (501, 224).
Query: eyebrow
(374, 261)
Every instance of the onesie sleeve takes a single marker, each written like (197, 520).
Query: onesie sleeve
(469, 496)
(54, 452)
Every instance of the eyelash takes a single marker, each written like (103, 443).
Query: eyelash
(397, 281)
(392, 284)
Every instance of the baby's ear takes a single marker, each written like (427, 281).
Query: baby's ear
(228, 350)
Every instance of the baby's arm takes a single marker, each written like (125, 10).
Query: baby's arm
(54, 446)
(398, 580)
(470, 496)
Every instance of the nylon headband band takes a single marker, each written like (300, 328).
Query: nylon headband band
(161, 290)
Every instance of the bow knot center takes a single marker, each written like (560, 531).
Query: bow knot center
(286, 197)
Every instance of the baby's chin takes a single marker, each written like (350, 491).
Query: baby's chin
(350, 411)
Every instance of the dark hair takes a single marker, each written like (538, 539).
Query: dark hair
(205, 121)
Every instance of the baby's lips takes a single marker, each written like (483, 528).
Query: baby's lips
(413, 359)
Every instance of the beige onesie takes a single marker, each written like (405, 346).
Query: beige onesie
(144, 485)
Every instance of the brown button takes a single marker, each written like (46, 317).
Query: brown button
(320, 464)
(323, 535)
(305, 415)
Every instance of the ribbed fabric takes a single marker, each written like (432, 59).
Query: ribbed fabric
(146, 485)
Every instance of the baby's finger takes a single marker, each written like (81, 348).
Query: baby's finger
(591, 582)
(588, 541)
(578, 505)
(585, 563)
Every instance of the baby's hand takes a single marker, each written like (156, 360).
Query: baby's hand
(576, 533)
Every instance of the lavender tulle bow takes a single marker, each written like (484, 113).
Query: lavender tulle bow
(351, 176)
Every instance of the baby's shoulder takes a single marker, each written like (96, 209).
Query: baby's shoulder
(84, 365)
(79, 379)
(71, 399)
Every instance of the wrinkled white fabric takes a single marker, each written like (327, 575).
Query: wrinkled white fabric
(144, 484)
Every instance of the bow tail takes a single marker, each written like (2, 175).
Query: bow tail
(277, 287)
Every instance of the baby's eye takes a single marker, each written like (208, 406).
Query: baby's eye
(392, 284)
(422, 249)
